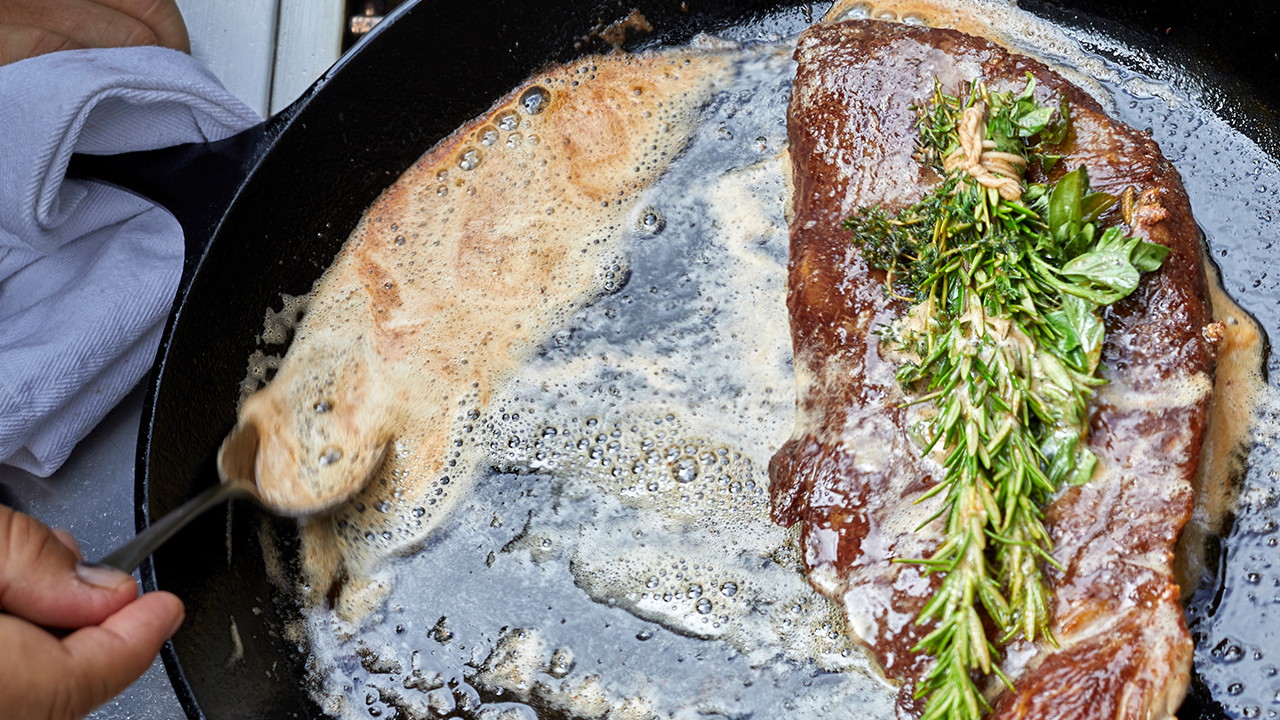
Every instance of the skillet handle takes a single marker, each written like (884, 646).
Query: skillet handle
(196, 182)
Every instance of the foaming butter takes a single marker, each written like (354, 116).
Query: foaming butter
(454, 276)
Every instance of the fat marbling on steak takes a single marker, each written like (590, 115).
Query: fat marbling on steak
(851, 476)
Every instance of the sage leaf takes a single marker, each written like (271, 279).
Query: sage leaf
(1148, 257)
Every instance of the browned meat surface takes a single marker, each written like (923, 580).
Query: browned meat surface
(851, 476)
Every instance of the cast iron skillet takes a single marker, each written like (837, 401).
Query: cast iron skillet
(273, 205)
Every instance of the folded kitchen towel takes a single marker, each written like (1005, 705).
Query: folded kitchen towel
(87, 271)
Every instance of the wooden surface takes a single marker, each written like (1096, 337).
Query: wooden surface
(308, 41)
(266, 52)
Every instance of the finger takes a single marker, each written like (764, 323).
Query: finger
(106, 658)
(67, 539)
(20, 42)
(84, 22)
(162, 16)
(31, 659)
(42, 580)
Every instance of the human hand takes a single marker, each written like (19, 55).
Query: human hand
(35, 27)
(116, 634)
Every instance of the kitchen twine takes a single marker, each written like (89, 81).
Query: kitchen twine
(978, 156)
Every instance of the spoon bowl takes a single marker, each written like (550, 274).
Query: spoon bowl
(236, 461)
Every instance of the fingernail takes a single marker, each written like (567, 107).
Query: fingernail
(173, 630)
(101, 576)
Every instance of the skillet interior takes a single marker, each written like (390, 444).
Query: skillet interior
(411, 82)
(1226, 50)
(326, 159)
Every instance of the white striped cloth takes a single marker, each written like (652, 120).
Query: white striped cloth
(87, 271)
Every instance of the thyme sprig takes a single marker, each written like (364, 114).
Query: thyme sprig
(1002, 342)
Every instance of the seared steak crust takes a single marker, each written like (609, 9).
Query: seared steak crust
(851, 475)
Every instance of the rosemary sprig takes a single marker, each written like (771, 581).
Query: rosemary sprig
(1003, 339)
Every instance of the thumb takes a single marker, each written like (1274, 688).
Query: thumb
(42, 580)
(105, 659)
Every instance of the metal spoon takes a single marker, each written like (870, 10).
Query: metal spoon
(236, 470)
(130, 555)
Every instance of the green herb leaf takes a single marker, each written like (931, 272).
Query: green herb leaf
(1148, 257)
(1094, 204)
(1065, 205)
(1080, 333)
(1033, 122)
(1101, 276)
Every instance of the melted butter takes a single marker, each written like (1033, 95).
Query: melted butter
(967, 17)
(633, 429)
(1238, 388)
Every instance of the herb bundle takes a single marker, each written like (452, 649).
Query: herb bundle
(1006, 281)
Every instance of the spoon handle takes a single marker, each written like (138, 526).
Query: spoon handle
(131, 554)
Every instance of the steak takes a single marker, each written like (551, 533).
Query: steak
(853, 477)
